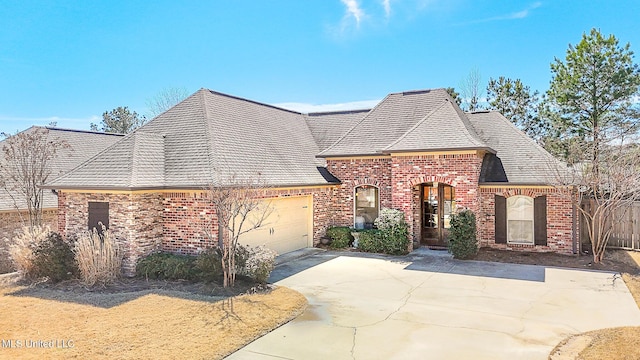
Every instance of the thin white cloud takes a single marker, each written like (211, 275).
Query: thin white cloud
(386, 4)
(511, 16)
(310, 108)
(353, 11)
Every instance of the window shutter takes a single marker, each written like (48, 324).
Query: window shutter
(540, 220)
(98, 213)
(501, 219)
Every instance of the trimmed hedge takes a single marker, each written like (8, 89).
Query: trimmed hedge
(462, 235)
(370, 241)
(166, 266)
(340, 236)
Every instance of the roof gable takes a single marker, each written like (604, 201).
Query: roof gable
(400, 122)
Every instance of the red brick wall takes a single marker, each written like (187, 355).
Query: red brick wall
(398, 179)
(355, 172)
(134, 219)
(190, 224)
(559, 219)
(178, 222)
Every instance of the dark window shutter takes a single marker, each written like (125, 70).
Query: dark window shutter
(501, 219)
(540, 220)
(98, 213)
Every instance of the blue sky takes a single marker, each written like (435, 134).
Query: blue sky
(69, 61)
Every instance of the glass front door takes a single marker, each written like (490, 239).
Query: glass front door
(438, 204)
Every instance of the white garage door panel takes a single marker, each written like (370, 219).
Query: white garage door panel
(286, 229)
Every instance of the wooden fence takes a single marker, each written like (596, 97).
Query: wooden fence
(626, 231)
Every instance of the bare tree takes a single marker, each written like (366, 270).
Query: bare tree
(165, 100)
(25, 164)
(471, 91)
(604, 194)
(239, 208)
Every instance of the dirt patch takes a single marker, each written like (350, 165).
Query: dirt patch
(137, 319)
(615, 260)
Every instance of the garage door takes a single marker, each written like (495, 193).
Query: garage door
(286, 229)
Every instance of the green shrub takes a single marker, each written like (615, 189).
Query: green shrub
(53, 258)
(340, 236)
(167, 266)
(394, 232)
(462, 235)
(370, 241)
(208, 265)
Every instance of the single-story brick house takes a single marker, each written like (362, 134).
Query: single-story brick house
(81, 145)
(416, 151)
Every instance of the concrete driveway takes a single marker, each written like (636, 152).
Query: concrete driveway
(429, 306)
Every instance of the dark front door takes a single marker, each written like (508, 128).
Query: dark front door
(438, 204)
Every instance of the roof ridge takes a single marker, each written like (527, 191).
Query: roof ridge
(79, 130)
(356, 124)
(471, 130)
(208, 135)
(415, 126)
(522, 134)
(337, 112)
(252, 101)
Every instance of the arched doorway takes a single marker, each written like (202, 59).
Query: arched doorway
(437, 205)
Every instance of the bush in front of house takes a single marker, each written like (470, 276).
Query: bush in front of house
(259, 263)
(394, 232)
(340, 236)
(462, 235)
(98, 256)
(53, 258)
(370, 240)
(23, 245)
(166, 266)
(208, 265)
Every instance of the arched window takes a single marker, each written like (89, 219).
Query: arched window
(366, 205)
(520, 215)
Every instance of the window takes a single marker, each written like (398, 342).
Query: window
(98, 213)
(520, 215)
(366, 206)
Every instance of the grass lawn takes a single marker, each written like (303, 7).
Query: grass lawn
(159, 324)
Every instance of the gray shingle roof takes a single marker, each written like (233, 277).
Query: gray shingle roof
(415, 120)
(327, 127)
(82, 146)
(518, 159)
(207, 138)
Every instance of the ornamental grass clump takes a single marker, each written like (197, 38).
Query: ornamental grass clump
(98, 256)
(462, 235)
(23, 247)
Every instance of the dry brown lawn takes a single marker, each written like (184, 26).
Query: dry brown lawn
(158, 324)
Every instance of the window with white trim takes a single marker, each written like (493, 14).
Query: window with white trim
(366, 206)
(520, 215)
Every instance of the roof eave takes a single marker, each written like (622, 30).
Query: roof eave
(481, 148)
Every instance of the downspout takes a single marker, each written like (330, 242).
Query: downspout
(574, 227)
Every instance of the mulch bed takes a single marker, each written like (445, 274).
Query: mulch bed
(615, 260)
